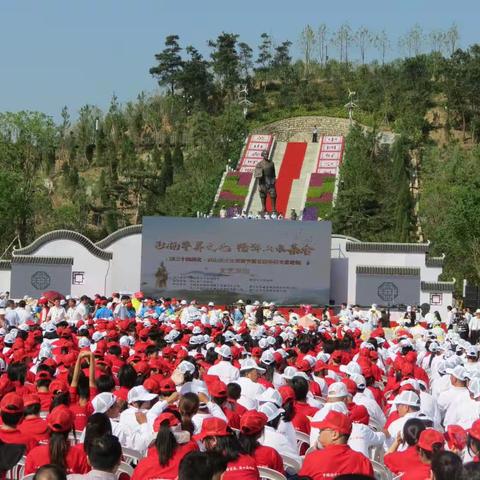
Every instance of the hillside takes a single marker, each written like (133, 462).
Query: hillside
(165, 154)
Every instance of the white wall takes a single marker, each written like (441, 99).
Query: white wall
(124, 275)
(5, 276)
(96, 269)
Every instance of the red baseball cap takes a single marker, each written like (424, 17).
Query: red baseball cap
(456, 437)
(335, 421)
(252, 422)
(60, 419)
(217, 389)
(31, 399)
(428, 438)
(165, 417)
(43, 375)
(213, 427)
(11, 403)
(475, 430)
(287, 393)
(58, 386)
(167, 386)
(359, 414)
(319, 366)
(151, 385)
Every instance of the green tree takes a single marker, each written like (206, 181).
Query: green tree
(225, 61)
(196, 81)
(264, 57)
(169, 65)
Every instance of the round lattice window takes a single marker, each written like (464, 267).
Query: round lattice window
(40, 280)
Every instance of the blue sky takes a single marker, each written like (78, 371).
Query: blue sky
(72, 52)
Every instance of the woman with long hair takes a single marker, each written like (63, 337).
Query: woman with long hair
(217, 437)
(163, 461)
(430, 443)
(59, 450)
(252, 425)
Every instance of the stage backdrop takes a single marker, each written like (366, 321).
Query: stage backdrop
(226, 259)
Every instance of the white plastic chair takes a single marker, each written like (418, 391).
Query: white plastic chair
(131, 456)
(125, 468)
(301, 439)
(28, 477)
(380, 471)
(292, 464)
(269, 474)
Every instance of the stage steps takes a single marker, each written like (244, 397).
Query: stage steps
(299, 189)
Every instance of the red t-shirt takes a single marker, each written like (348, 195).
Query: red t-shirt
(35, 427)
(300, 422)
(399, 462)
(335, 460)
(45, 400)
(305, 408)
(16, 436)
(76, 459)
(81, 414)
(268, 457)
(243, 468)
(420, 471)
(149, 468)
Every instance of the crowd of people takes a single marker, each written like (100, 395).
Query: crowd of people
(185, 391)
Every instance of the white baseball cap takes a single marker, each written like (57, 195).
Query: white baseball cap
(140, 394)
(337, 390)
(83, 342)
(459, 372)
(250, 364)
(289, 373)
(224, 351)
(271, 395)
(359, 380)
(186, 367)
(352, 368)
(474, 387)
(102, 402)
(406, 397)
(270, 410)
(267, 357)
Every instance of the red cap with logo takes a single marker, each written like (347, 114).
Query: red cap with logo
(335, 421)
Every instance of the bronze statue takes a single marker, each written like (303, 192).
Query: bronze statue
(161, 276)
(265, 174)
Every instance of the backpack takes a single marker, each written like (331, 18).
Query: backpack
(10, 455)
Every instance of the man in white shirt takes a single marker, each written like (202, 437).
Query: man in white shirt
(251, 390)
(24, 313)
(449, 400)
(337, 399)
(376, 416)
(57, 313)
(81, 310)
(474, 327)
(224, 369)
(467, 411)
(407, 404)
(363, 437)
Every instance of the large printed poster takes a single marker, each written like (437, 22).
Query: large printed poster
(224, 260)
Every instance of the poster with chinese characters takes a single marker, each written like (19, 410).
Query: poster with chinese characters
(223, 260)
